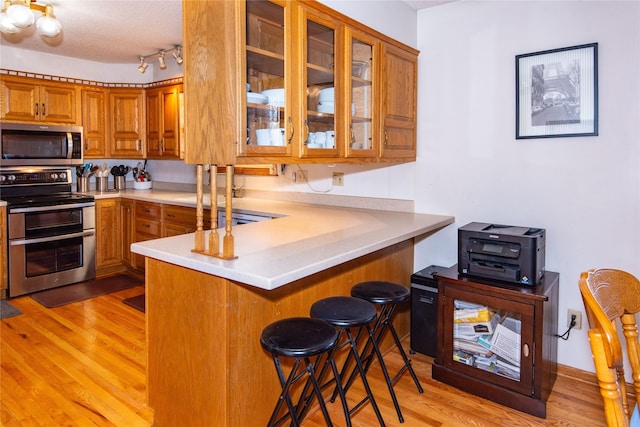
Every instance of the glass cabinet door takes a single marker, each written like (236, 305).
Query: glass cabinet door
(360, 66)
(490, 338)
(321, 103)
(267, 87)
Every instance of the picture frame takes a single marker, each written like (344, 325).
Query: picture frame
(557, 92)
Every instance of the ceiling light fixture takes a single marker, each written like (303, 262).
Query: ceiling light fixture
(143, 65)
(162, 63)
(177, 54)
(19, 14)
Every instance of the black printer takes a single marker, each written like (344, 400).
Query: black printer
(502, 252)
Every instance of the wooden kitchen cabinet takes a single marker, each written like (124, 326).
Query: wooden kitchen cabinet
(4, 267)
(329, 50)
(398, 104)
(108, 236)
(127, 123)
(128, 231)
(163, 122)
(94, 122)
(506, 351)
(148, 225)
(363, 52)
(178, 220)
(31, 100)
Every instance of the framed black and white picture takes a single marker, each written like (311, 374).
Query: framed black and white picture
(557, 93)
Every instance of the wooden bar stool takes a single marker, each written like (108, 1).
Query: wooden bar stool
(346, 313)
(301, 338)
(387, 295)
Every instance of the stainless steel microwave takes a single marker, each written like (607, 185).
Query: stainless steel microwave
(40, 145)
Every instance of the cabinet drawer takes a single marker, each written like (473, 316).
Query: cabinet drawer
(149, 228)
(178, 229)
(179, 215)
(149, 210)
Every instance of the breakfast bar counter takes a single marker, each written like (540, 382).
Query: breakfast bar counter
(205, 315)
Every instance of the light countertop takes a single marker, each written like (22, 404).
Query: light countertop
(304, 239)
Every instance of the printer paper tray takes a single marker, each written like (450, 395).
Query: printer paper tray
(496, 270)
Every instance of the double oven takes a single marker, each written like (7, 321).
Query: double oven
(51, 230)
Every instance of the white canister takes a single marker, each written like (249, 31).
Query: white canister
(263, 136)
(277, 136)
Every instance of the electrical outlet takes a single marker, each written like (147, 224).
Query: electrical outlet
(338, 179)
(578, 320)
(299, 176)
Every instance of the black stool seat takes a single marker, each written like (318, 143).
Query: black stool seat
(344, 312)
(379, 292)
(301, 338)
(387, 295)
(298, 337)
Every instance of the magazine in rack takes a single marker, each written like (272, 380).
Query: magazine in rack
(486, 339)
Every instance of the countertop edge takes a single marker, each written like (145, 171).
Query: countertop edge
(263, 280)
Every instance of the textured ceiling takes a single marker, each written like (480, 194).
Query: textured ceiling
(117, 31)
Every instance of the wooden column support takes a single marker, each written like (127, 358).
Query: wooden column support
(214, 239)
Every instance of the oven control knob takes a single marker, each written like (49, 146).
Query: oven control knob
(62, 176)
(54, 176)
(11, 178)
(3, 178)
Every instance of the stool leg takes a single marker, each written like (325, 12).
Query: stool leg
(407, 362)
(304, 403)
(284, 395)
(363, 375)
(318, 391)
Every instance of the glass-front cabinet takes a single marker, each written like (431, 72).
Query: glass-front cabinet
(488, 336)
(321, 89)
(498, 340)
(314, 87)
(268, 85)
(362, 55)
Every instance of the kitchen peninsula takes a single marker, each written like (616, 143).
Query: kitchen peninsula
(205, 315)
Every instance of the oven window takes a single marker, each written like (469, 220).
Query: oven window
(52, 257)
(51, 223)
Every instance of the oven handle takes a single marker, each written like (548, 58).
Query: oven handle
(51, 238)
(52, 208)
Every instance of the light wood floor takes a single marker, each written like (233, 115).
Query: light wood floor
(84, 365)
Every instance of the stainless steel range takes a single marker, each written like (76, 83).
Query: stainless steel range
(51, 230)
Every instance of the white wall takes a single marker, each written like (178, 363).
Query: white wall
(585, 191)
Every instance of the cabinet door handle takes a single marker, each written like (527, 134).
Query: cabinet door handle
(525, 350)
(291, 127)
(386, 137)
(36, 108)
(306, 132)
(353, 135)
(43, 110)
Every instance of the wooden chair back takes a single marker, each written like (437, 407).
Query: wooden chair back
(610, 295)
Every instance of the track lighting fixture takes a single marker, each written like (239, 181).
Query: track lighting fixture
(177, 54)
(162, 63)
(18, 14)
(143, 65)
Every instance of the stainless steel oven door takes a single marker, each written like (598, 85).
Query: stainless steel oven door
(50, 248)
